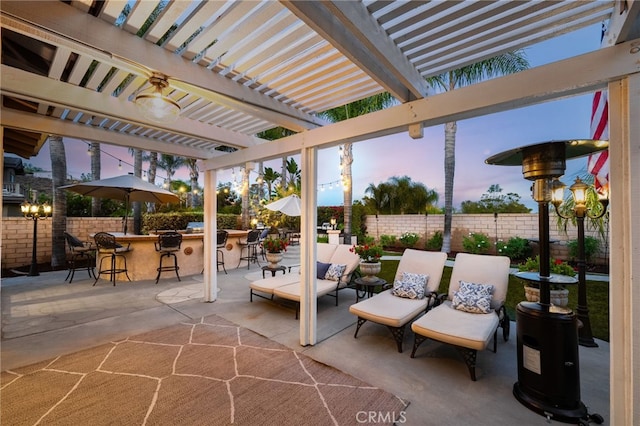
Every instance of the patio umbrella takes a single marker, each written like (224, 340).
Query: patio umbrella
(289, 205)
(127, 188)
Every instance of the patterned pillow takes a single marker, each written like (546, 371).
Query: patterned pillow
(408, 290)
(418, 279)
(335, 271)
(474, 298)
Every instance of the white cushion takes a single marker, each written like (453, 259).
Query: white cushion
(267, 285)
(385, 308)
(293, 291)
(428, 263)
(447, 325)
(325, 252)
(345, 256)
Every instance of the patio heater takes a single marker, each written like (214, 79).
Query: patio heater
(547, 335)
(35, 212)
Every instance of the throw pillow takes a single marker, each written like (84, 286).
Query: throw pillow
(418, 279)
(473, 298)
(335, 271)
(408, 290)
(321, 269)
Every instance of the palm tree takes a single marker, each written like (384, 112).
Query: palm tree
(507, 63)
(354, 109)
(294, 176)
(137, 205)
(170, 164)
(59, 218)
(94, 150)
(400, 195)
(270, 177)
(194, 174)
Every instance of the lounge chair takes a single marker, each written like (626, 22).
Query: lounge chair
(451, 322)
(288, 286)
(394, 311)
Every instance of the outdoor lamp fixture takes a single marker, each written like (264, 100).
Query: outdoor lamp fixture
(154, 105)
(35, 212)
(580, 211)
(333, 223)
(547, 337)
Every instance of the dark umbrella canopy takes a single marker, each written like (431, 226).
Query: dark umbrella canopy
(127, 188)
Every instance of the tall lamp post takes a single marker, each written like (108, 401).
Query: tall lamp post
(35, 212)
(580, 211)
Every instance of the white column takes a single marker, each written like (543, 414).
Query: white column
(624, 302)
(210, 280)
(334, 236)
(308, 256)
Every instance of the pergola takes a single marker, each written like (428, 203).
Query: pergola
(237, 68)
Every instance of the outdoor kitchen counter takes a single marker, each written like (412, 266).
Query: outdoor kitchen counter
(143, 259)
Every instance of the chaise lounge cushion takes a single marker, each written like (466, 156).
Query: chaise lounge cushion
(448, 325)
(387, 309)
(267, 285)
(292, 291)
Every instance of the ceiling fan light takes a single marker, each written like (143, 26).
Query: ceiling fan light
(154, 105)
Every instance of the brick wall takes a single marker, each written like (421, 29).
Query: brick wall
(502, 227)
(17, 236)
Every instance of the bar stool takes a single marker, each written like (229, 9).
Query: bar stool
(221, 243)
(167, 245)
(80, 251)
(106, 243)
(251, 245)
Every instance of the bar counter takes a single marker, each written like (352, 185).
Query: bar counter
(143, 260)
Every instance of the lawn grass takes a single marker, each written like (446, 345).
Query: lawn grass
(597, 294)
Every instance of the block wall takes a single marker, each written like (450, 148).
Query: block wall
(500, 228)
(17, 236)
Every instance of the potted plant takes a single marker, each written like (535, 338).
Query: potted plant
(559, 294)
(274, 247)
(370, 255)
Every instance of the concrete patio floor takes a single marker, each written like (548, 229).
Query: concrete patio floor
(43, 317)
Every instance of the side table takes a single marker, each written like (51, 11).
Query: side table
(274, 270)
(367, 287)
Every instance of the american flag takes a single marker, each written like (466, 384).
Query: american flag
(598, 164)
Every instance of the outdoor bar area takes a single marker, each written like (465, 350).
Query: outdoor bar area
(143, 258)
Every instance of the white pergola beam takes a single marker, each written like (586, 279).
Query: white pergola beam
(39, 123)
(350, 28)
(23, 84)
(570, 77)
(104, 42)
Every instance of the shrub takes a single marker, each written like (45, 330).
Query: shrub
(591, 247)
(388, 240)
(556, 266)
(409, 239)
(435, 242)
(516, 248)
(476, 243)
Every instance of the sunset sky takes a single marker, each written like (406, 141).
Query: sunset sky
(377, 160)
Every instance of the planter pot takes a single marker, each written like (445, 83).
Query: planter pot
(369, 270)
(558, 297)
(274, 259)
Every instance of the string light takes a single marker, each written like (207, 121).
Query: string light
(120, 161)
